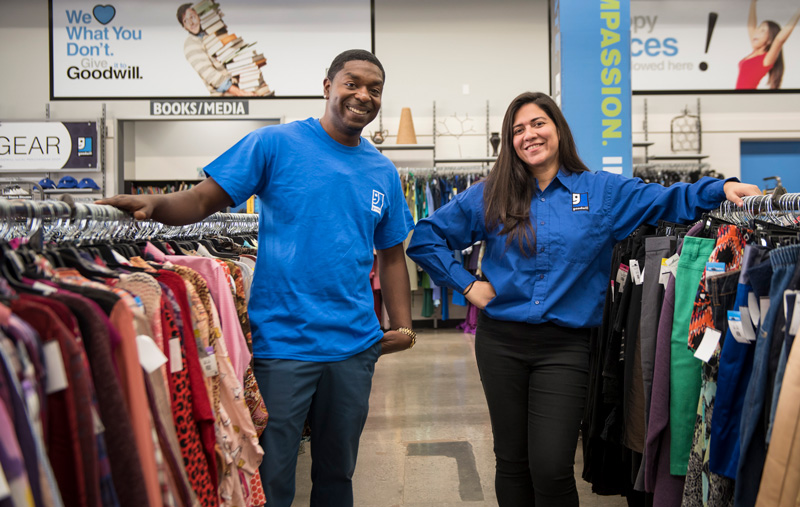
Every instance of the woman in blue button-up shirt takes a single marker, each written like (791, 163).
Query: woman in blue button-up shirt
(549, 225)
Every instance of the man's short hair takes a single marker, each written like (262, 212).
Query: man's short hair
(182, 11)
(350, 55)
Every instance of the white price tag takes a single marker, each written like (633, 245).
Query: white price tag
(209, 363)
(763, 306)
(636, 273)
(714, 269)
(735, 325)
(663, 276)
(708, 345)
(175, 356)
(672, 263)
(54, 363)
(44, 288)
(749, 332)
(5, 489)
(795, 324)
(622, 276)
(755, 310)
(150, 356)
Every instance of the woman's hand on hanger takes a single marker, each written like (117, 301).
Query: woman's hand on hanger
(734, 191)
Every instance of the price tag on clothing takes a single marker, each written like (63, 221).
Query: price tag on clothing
(636, 273)
(663, 276)
(209, 363)
(175, 356)
(54, 363)
(795, 324)
(755, 310)
(763, 304)
(708, 345)
(44, 288)
(5, 489)
(714, 269)
(97, 422)
(622, 276)
(735, 325)
(672, 263)
(749, 331)
(150, 356)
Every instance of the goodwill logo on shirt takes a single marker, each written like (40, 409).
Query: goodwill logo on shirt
(377, 201)
(580, 202)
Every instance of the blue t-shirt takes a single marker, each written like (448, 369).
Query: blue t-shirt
(577, 219)
(324, 207)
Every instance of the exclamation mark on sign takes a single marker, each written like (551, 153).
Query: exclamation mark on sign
(712, 20)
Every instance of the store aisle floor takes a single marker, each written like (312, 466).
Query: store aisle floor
(427, 441)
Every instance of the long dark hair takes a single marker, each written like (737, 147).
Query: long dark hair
(776, 72)
(509, 187)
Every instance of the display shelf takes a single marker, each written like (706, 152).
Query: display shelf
(460, 160)
(688, 156)
(404, 147)
(72, 191)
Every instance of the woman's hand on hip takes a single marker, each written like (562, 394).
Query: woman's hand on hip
(480, 294)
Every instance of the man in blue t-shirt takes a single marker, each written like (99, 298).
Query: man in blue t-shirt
(329, 200)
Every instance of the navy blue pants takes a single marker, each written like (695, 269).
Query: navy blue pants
(335, 398)
(535, 379)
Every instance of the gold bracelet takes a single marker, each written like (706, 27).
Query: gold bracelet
(410, 333)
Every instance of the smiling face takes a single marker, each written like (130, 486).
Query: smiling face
(191, 21)
(354, 99)
(535, 139)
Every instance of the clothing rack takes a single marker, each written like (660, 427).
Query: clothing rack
(58, 221)
(783, 210)
(443, 171)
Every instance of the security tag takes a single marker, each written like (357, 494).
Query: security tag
(708, 345)
(54, 363)
(735, 325)
(714, 268)
(636, 273)
(175, 356)
(755, 310)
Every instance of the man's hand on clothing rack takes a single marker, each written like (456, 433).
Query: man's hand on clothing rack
(734, 191)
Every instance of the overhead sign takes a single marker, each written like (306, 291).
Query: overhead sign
(48, 146)
(707, 45)
(199, 107)
(591, 78)
(153, 49)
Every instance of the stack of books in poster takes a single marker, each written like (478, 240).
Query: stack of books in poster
(247, 66)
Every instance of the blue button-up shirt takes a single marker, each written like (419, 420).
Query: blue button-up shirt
(577, 220)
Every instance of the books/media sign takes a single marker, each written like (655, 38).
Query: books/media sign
(226, 107)
(48, 146)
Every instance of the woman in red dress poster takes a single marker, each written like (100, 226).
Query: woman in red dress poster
(767, 39)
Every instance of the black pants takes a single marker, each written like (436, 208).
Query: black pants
(534, 377)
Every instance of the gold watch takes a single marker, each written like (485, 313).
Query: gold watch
(410, 333)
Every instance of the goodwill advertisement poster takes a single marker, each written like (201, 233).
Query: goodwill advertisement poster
(715, 45)
(225, 48)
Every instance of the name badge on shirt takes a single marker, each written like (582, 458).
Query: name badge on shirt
(580, 202)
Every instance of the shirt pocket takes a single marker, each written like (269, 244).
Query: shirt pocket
(583, 236)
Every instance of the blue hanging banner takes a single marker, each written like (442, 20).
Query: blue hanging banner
(591, 78)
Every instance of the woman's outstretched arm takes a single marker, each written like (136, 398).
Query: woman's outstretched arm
(780, 39)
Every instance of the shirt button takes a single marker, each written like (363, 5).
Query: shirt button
(542, 199)
(541, 249)
(541, 277)
(537, 302)
(541, 223)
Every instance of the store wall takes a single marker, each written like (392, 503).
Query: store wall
(459, 54)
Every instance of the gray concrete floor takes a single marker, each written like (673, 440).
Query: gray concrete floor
(428, 441)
